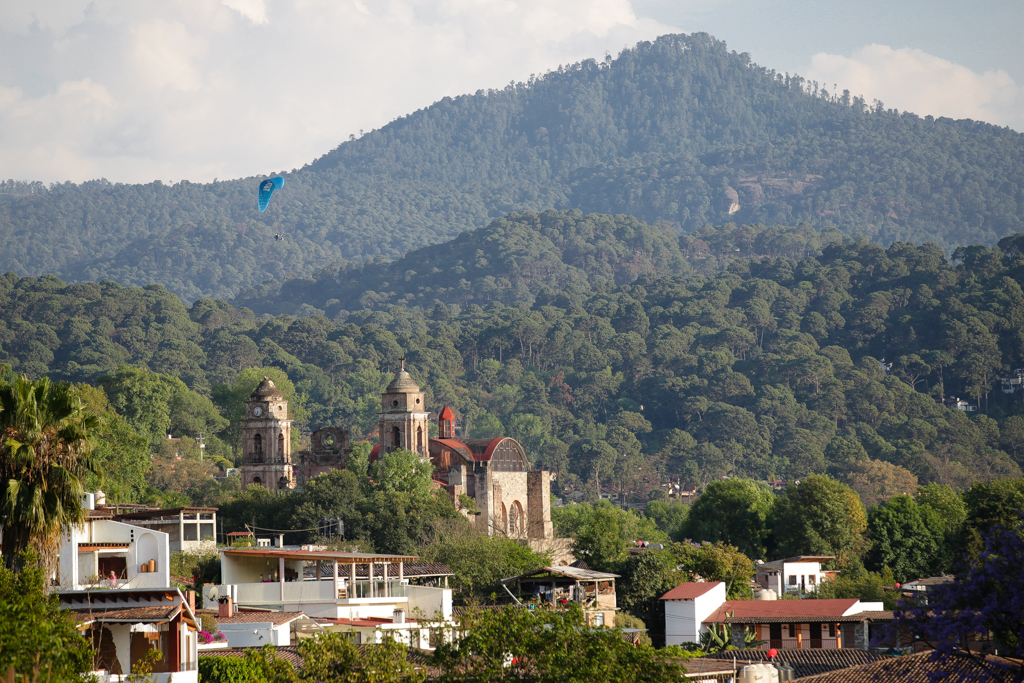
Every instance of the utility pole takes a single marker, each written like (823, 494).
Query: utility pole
(202, 445)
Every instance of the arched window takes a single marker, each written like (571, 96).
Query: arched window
(257, 481)
(280, 446)
(282, 483)
(396, 437)
(257, 443)
(517, 520)
(419, 439)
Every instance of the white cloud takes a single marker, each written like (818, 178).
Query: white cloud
(913, 80)
(198, 89)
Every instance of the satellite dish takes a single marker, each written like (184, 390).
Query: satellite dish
(212, 593)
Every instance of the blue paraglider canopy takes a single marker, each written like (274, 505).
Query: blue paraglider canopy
(267, 188)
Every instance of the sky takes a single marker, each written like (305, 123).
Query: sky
(140, 90)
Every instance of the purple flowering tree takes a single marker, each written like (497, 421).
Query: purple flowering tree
(980, 613)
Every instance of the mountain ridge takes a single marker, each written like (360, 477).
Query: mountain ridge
(678, 130)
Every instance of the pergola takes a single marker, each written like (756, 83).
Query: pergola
(340, 562)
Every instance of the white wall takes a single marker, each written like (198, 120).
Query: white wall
(256, 634)
(681, 625)
(430, 602)
(143, 545)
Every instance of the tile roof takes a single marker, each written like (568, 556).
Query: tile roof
(922, 668)
(275, 618)
(806, 662)
(288, 653)
(690, 590)
(782, 609)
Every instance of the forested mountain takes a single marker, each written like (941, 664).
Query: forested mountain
(522, 256)
(679, 130)
(834, 359)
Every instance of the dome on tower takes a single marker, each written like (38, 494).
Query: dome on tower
(403, 383)
(266, 389)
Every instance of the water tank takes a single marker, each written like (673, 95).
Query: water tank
(767, 594)
(399, 616)
(786, 671)
(89, 501)
(752, 673)
(771, 673)
(101, 498)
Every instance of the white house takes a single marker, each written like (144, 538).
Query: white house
(256, 629)
(342, 591)
(124, 626)
(687, 606)
(106, 554)
(690, 608)
(801, 574)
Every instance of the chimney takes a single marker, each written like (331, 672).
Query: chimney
(280, 540)
(225, 607)
(190, 598)
(398, 617)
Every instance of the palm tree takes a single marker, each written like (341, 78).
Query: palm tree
(45, 453)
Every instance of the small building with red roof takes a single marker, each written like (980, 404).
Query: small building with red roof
(690, 608)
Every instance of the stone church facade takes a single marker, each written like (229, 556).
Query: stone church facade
(511, 500)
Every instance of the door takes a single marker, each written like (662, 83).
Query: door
(775, 635)
(816, 636)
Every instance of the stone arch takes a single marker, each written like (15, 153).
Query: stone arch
(396, 437)
(257, 481)
(516, 519)
(282, 483)
(280, 446)
(419, 439)
(257, 447)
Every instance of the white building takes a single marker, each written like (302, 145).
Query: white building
(358, 592)
(690, 608)
(801, 574)
(90, 555)
(687, 606)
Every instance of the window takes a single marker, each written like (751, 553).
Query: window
(792, 580)
(280, 445)
(257, 443)
(792, 630)
(811, 579)
(599, 619)
(419, 438)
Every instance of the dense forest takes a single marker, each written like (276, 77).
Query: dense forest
(841, 360)
(679, 130)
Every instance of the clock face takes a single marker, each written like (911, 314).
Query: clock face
(257, 411)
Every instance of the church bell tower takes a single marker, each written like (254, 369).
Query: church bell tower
(266, 440)
(404, 421)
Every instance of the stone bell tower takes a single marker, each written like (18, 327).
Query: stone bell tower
(266, 440)
(403, 418)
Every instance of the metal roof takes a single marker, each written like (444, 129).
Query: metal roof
(690, 590)
(568, 572)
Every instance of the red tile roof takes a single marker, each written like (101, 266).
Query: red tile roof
(689, 591)
(780, 609)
